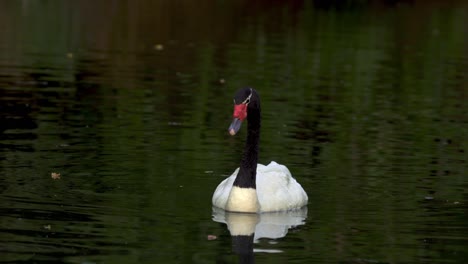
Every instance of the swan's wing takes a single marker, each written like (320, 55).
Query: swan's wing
(277, 190)
(221, 194)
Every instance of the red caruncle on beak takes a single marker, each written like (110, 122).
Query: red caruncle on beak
(240, 111)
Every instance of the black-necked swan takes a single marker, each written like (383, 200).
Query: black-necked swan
(256, 188)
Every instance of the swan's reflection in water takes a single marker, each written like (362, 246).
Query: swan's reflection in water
(246, 229)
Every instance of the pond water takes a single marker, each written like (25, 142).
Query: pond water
(114, 117)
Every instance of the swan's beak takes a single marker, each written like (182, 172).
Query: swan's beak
(240, 113)
(235, 126)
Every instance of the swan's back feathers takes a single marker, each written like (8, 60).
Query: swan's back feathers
(277, 190)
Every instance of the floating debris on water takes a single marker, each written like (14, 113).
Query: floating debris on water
(212, 237)
(55, 175)
(158, 47)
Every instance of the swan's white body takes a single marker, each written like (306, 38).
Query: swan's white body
(276, 191)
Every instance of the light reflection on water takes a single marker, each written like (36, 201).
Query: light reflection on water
(366, 108)
(246, 230)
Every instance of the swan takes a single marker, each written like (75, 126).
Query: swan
(256, 188)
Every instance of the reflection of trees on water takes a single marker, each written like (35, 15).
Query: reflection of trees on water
(369, 100)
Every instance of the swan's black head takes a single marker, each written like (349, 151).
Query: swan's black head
(246, 103)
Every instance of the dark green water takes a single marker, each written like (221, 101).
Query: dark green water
(130, 102)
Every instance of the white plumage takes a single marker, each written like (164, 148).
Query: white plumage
(276, 189)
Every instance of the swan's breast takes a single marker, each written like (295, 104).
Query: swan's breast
(242, 200)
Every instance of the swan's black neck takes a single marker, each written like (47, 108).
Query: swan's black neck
(248, 168)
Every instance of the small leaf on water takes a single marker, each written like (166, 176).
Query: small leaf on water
(212, 237)
(158, 47)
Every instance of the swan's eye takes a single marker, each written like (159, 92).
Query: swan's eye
(247, 101)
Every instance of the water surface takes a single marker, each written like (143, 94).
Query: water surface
(130, 104)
